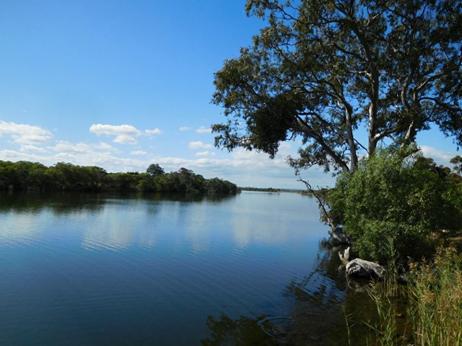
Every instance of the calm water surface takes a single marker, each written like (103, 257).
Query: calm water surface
(94, 270)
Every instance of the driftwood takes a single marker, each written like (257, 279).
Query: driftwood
(359, 268)
(364, 269)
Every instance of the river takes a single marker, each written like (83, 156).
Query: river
(164, 270)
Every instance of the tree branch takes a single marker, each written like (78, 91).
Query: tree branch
(319, 199)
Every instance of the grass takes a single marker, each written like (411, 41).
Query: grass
(436, 301)
(427, 311)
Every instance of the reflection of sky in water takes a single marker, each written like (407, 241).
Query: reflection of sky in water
(198, 228)
(140, 268)
(272, 220)
(118, 224)
(121, 228)
(22, 227)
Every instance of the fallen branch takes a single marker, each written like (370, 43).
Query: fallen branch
(321, 202)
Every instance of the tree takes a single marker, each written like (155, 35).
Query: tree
(155, 170)
(457, 163)
(322, 71)
(33, 176)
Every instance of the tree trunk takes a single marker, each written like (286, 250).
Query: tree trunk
(351, 140)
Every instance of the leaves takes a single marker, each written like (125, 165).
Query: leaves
(399, 198)
(322, 71)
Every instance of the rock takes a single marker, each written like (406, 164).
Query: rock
(359, 268)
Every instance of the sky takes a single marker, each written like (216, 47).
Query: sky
(122, 84)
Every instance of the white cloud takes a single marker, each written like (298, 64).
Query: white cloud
(81, 153)
(442, 157)
(242, 167)
(203, 130)
(32, 148)
(153, 132)
(86, 154)
(184, 129)
(105, 146)
(198, 145)
(64, 148)
(24, 134)
(203, 153)
(123, 134)
(138, 153)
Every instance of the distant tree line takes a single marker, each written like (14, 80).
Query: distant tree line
(33, 176)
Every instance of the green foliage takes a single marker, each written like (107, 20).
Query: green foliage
(29, 176)
(320, 70)
(457, 162)
(154, 170)
(399, 198)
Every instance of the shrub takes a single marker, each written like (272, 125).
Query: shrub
(397, 197)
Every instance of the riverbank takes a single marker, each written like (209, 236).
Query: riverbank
(401, 213)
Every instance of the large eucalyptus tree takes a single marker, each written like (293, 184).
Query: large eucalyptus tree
(327, 71)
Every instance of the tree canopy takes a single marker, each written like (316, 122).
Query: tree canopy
(322, 71)
(32, 176)
(154, 170)
(457, 163)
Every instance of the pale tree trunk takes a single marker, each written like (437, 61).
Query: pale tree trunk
(374, 96)
(351, 139)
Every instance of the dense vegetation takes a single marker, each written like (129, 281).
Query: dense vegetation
(397, 200)
(398, 208)
(32, 176)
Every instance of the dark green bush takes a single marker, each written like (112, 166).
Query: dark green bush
(398, 198)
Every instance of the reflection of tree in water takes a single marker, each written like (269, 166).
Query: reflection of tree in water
(58, 203)
(240, 332)
(320, 303)
(69, 202)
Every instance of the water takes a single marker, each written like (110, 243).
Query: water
(96, 270)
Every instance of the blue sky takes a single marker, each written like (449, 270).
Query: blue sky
(121, 84)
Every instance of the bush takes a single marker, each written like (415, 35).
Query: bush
(399, 198)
